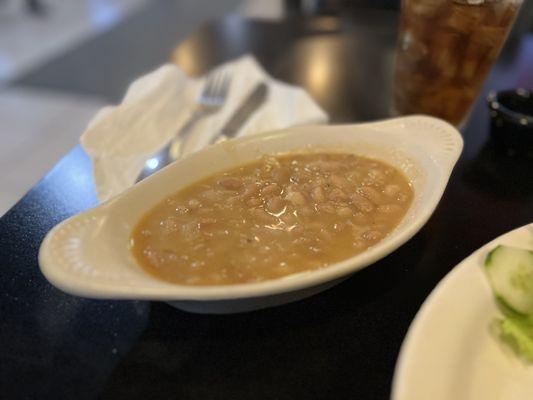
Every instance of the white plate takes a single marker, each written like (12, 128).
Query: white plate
(88, 255)
(449, 352)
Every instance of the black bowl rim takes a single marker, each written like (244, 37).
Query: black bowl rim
(514, 116)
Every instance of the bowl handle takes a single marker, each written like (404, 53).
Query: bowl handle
(61, 255)
(442, 141)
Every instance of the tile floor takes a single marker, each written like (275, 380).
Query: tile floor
(37, 128)
(27, 40)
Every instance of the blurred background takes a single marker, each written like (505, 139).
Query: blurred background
(61, 60)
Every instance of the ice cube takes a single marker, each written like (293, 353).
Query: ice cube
(425, 8)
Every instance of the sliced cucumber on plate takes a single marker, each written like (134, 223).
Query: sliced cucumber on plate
(510, 273)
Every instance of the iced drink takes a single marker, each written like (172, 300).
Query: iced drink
(445, 50)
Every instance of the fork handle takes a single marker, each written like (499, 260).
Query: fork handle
(180, 140)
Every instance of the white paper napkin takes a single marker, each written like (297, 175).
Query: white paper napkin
(121, 138)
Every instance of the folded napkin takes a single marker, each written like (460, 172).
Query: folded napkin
(119, 139)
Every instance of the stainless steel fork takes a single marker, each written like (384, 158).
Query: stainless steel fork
(210, 100)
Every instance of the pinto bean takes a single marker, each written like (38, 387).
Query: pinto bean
(362, 203)
(344, 212)
(230, 183)
(296, 198)
(337, 195)
(371, 194)
(271, 190)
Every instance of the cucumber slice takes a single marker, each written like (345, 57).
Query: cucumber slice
(518, 334)
(510, 272)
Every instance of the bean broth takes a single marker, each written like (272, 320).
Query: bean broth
(271, 218)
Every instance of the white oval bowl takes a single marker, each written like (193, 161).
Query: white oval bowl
(88, 255)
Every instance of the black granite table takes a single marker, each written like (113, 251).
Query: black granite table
(341, 344)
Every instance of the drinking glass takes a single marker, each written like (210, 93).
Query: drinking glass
(445, 50)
